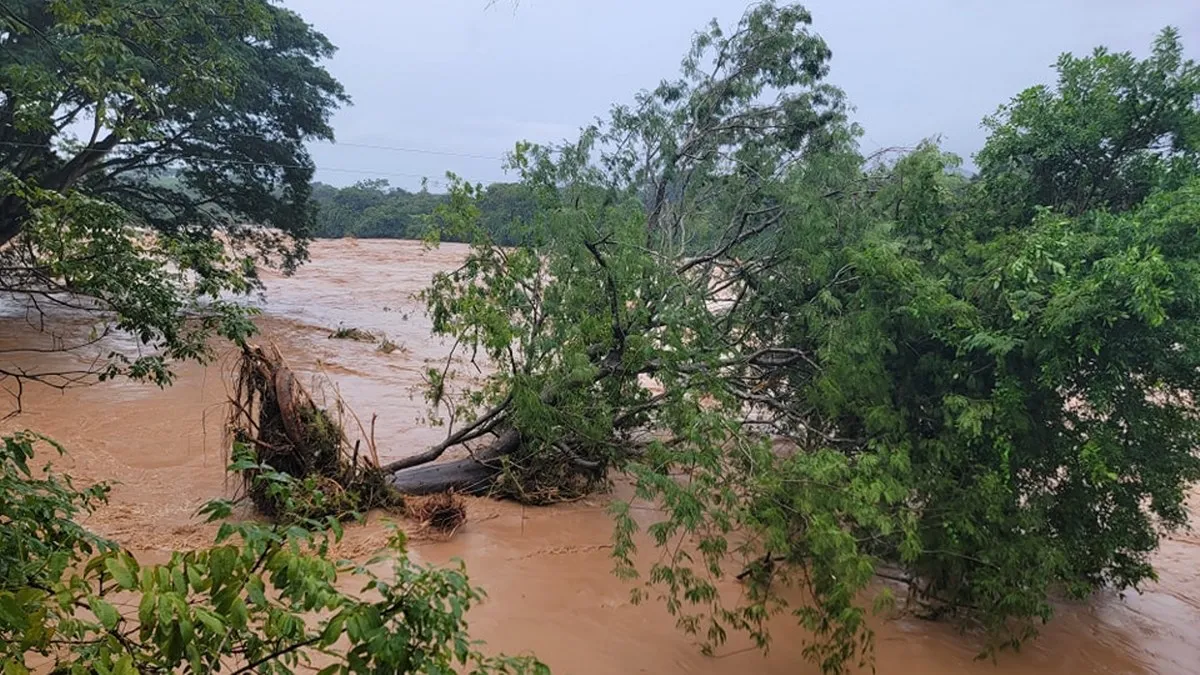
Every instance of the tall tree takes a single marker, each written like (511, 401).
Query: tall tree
(1111, 130)
(980, 388)
(187, 119)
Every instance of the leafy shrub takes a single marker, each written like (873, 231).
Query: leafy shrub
(261, 598)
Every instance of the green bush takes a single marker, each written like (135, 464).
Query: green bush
(264, 599)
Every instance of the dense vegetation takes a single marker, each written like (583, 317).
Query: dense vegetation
(183, 118)
(151, 158)
(985, 383)
(261, 599)
(371, 209)
(823, 366)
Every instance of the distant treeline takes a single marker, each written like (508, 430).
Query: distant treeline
(374, 209)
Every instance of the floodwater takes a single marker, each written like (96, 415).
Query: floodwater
(547, 571)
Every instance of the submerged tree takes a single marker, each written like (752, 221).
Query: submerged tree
(151, 154)
(614, 287)
(833, 366)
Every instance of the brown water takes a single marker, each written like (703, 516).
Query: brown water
(547, 571)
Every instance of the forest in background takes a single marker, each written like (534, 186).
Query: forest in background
(373, 209)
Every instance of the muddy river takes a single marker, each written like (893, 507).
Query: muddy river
(547, 571)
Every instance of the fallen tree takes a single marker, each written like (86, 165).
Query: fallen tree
(470, 475)
(986, 382)
(641, 272)
(275, 427)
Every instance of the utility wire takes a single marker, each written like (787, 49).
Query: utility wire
(422, 151)
(242, 162)
(396, 148)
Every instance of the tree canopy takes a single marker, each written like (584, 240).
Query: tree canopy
(185, 120)
(1113, 129)
(222, 93)
(826, 366)
(373, 209)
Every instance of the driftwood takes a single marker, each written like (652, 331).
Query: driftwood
(471, 475)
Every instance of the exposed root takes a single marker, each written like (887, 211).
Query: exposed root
(274, 418)
(444, 512)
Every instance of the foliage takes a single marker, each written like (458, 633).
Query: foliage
(260, 599)
(822, 365)
(77, 252)
(370, 209)
(40, 539)
(1106, 136)
(171, 135)
(225, 93)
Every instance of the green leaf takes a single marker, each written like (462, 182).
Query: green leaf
(124, 666)
(105, 612)
(11, 611)
(210, 620)
(120, 572)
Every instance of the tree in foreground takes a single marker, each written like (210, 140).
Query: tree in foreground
(262, 599)
(151, 156)
(834, 367)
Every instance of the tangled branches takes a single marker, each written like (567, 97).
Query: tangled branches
(279, 428)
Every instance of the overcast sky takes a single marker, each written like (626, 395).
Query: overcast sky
(456, 76)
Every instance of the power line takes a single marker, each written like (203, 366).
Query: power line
(303, 166)
(422, 151)
(397, 148)
(277, 165)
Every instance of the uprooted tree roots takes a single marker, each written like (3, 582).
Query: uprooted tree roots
(275, 419)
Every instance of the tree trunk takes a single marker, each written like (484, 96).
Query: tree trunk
(471, 475)
(464, 476)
